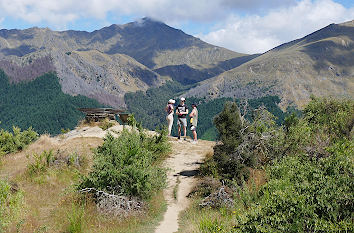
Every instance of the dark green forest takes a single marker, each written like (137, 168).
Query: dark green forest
(148, 108)
(40, 104)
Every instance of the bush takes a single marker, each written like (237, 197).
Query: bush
(12, 142)
(229, 125)
(106, 124)
(325, 121)
(305, 194)
(309, 165)
(41, 163)
(333, 116)
(10, 204)
(126, 165)
(244, 145)
(75, 218)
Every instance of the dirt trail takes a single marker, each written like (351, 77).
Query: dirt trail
(182, 164)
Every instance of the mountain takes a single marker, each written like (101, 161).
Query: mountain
(321, 64)
(107, 63)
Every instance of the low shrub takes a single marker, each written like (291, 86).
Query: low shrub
(211, 225)
(244, 145)
(125, 165)
(12, 142)
(11, 202)
(41, 162)
(335, 117)
(76, 218)
(305, 194)
(106, 124)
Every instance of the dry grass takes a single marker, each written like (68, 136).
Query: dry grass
(49, 196)
(44, 194)
(257, 179)
(83, 123)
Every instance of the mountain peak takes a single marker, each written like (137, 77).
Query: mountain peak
(146, 21)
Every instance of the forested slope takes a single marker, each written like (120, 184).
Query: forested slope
(41, 104)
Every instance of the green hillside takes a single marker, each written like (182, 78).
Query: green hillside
(40, 104)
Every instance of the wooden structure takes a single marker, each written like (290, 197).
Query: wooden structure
(98, 114)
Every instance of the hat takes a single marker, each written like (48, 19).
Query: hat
(194, 104)
(183, 99)
(171, 101)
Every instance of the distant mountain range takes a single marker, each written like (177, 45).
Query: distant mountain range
(108, 63)
(320, 64)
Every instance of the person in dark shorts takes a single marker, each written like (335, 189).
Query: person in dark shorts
(182, 112)
(194, 122)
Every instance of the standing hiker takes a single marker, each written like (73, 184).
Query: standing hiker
(182, 112)
(194, 122)
(169, 109)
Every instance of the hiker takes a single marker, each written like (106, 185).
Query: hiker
(182, 112)
(169, 109)
(194, 121)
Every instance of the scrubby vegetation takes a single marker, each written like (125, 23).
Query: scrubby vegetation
(16, 140)
(127, 165)
(41, 104)
(11, 202)
(307, 164)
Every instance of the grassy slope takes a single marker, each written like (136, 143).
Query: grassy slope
(320, 64)
(50, 200)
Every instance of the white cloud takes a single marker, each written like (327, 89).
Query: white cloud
(266, 24)
(254, 34)
(60, 13)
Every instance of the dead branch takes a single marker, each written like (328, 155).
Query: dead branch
(113, 204)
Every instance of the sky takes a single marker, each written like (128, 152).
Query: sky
(246, 26)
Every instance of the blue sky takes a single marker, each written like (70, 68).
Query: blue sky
(248, 26)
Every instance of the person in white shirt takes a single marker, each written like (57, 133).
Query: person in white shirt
(169, 109)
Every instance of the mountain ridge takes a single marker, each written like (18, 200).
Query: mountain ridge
(321, 64)
(132, 52)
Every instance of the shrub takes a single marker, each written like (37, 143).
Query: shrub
(106, 124)
(325, 121)
(10, 204)
(75, 218)
(41, 162)
(229, 125)
(12, 142)
(305, 194)
(246, 144)
(125, 165)
(211, 225)
(333, 116)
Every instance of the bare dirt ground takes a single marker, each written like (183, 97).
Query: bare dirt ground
(182, 164)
